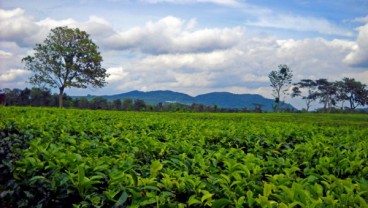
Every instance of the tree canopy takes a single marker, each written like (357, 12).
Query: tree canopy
(67, 58)
(279, 80)
(310, 86)
(356, 92)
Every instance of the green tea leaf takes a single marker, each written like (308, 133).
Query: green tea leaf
(156, 166)
(122, 199)
(193, 200)
(221, 203)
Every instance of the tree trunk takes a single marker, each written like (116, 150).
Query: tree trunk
(61, 92)
(278, 100)
(308, 105)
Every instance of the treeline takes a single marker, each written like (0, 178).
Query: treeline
(344, 95)
(338, 96)
(43, 97)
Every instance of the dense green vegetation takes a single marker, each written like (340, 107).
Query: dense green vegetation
(83, 158)
(157, 101)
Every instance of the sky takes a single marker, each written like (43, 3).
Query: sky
(195, 46)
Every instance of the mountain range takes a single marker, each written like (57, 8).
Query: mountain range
(221, 99)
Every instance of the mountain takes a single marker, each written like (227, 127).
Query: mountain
(230, 100)
(221, 99)
(152, 97)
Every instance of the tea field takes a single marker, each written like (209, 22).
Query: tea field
(82, 158)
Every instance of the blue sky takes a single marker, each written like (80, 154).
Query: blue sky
(196, 46)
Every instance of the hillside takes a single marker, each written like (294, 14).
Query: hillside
(221, 99)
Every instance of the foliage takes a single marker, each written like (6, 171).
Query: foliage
(331, 93)
(67, 58)
(83, 158)
(355, 92)
(2, 97)
(33, 97)
(279, 80)
(310, 86)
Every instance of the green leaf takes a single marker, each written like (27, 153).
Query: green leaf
(221, 203)
(206, 195)
(267, 189)
(164, 195)
(154, 188)
(296, 204)
(240, 201)
(111, 193)
(122, 199)
(155, 167)
(81, 173)
(147, 202)
(34, 179)
(250, 199)
(192, 200)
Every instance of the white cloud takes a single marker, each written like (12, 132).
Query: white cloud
(16, 26)
(361, 19)
(359, 55)
(5, 54)
(116, 74)
(241, 69)
(52, 23)
(173, 35)
(98, 27)
(299, 23)
(13, 74)
(188, 62)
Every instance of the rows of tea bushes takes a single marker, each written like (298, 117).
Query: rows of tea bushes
(82, 158)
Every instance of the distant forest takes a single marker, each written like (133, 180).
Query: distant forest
(43, 97)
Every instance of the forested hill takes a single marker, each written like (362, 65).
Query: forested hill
(221, 99)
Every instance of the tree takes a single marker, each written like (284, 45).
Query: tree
(258, 107)
(99, 103)
(40, 97)
(12, 97)
(356, 92)
(279, 80)
(341, 93)
(326, 93)
(67, 58)
(117, 104)
(310, 86)
(2, 97)
(81, 102)
(127, 104)
(139, 105)
(25, 97)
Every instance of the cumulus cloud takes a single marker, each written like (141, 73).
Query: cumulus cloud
(13, 74)
(116, 74)
(243, 68)
(190, 62)
(173, 35)
(17, 26)
(52, 23)
(358, 57)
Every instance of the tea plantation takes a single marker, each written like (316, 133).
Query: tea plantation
(81, 158)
